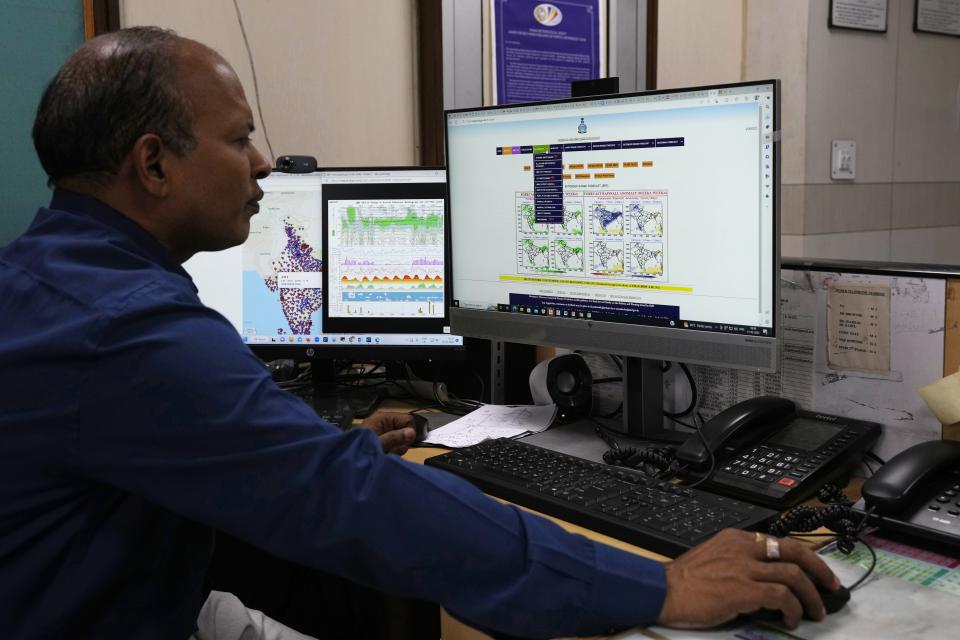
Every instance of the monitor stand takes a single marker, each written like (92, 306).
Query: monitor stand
(642, 424)
(330, 398)
(643, 416)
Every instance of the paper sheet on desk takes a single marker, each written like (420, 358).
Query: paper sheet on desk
(493, 421)
(883, 607)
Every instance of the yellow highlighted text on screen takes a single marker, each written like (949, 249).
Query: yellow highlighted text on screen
(598, 283)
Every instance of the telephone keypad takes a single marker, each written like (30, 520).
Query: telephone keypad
(784, 466)
(766, 464)
(772, 464)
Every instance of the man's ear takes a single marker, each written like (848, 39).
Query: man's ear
(150, 160)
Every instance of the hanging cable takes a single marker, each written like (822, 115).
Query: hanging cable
(256, 86)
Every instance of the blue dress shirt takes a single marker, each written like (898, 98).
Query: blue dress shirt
(135, 422)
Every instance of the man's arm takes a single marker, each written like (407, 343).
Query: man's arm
(179, 412)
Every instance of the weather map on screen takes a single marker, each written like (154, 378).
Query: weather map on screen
(282, 265)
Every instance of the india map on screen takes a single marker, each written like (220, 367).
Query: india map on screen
(282, 266)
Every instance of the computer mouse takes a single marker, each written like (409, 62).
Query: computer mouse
(833, 601)
(420, 424)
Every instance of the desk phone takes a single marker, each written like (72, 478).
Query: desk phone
(769, 452)
(917, 492)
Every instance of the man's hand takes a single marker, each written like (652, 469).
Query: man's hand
(730, 574)
(395, 430)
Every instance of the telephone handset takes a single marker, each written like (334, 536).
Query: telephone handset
(770, 452)
(735, 427)
(918, 491)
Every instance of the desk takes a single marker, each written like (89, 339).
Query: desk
(885, 608)
(454, 630)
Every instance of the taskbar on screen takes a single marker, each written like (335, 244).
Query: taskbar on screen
(648, 314)
(391, 339)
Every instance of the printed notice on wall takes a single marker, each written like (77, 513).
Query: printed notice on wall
(866, 15)
(938, 16)
(858, 327)
(539, 48)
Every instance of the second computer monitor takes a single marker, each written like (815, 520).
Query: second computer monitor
(341, 263)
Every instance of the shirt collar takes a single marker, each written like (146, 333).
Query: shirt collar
(84, 205)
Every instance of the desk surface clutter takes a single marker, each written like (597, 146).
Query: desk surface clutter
(883, 607)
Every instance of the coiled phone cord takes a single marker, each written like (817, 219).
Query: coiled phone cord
(659, 458)
(837, 516)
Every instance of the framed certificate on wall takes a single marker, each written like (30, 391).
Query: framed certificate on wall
(862, 15)
(937, 16)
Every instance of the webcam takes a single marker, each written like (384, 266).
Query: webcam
(296, 164)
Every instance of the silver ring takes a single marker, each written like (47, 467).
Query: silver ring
(773, 548)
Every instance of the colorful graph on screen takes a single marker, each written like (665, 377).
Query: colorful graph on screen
(387, 258)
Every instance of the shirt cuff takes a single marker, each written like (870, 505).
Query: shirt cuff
(631, 590)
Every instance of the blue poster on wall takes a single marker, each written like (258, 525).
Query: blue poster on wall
(539, 48)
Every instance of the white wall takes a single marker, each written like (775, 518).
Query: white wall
(698, 42)
(897, 94)
(337, 80)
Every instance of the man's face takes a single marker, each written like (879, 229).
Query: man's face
(214, 189)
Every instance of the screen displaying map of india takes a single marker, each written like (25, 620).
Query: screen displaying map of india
(282, 266)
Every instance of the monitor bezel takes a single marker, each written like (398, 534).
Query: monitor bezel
(613, 337)
(364, 351)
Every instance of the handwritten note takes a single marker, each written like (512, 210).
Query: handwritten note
(858, 327)
(493, 421)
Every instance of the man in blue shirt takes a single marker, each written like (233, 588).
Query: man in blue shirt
(135, 422)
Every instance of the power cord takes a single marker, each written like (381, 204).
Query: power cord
(452, 404)
(875, 457)
(698, 426)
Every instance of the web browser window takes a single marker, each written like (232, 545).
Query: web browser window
(651, 209)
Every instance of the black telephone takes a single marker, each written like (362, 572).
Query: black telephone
(917, 492)
(770, 452)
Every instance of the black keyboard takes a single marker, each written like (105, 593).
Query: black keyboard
(621, 503)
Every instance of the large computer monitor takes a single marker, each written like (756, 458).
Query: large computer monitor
(344, 263)
(645, 225)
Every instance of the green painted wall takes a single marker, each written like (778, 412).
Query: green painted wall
(36, 36)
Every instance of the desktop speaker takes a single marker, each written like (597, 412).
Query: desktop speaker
(566, 381)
